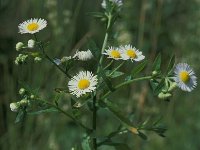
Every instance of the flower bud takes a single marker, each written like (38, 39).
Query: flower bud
(14, 107)
(32, 96)
(37, 59)
(154, 73)
(19, 46)
(31, 43)
(23, 102)
(162, 95)
(22, 91)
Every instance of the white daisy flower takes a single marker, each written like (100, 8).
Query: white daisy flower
(83, 55)
(113, 53)
(115, 2)
(129, 52)
(84, 82)
(32, 26)
(185, 77)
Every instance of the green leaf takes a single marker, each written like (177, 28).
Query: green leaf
(97, 14)
(157, 63)
(171, 64)
(20, 115)
(114, 74)
(49, 110)
(138, 68)
(93, 47)
(125, 121)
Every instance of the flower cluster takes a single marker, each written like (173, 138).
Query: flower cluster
(117, 3)
(126, 52)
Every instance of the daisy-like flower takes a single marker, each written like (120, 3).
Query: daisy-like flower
(32, 26)
(115, 2)
(113, 53)
(185, 77)
(84, 82)
(83, 55)
(130, 52)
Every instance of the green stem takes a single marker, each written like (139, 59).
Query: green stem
(48, 58)
(65, 113)
(117, 68)
(94, 120)
(106, 67)
(126, 83)
(105, 41)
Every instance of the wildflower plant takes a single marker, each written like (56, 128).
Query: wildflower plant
(93, 89)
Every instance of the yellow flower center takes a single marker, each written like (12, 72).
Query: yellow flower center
(184, 76)
(33, 26)
(115, 54)
(83, 84)
(131, 53)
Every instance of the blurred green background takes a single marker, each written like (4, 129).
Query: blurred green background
(167, 26)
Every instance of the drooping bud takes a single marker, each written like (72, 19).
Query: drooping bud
(19, 46)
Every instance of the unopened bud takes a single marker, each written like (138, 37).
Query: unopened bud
(19, 46)
(31, 43)
(22, 91)
(154, 73)
(37, 59)
(32, 96)
(14, 107)
(162, 95)
(23, 102)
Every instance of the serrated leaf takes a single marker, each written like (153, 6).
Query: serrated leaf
(49, 110)
(118, 114)
(114, 74)
(138, 68)
(171, 64)
(157, 63)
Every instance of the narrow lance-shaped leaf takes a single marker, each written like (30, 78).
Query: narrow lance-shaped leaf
(114, 74)
(49, 110)
(107, 81)
(157, 63)
(171, 64)
(138, 68)
(125, 121)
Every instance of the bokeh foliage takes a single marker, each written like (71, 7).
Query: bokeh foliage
(166, 26)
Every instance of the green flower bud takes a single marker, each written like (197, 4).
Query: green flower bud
(37, 59)
(20, 59)
(162, 95)
(19, 46)
(22, 91)
(173, 85)
(154, 73)
(31, 43)
(32, 96)
(23, 102)
(14, 107)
